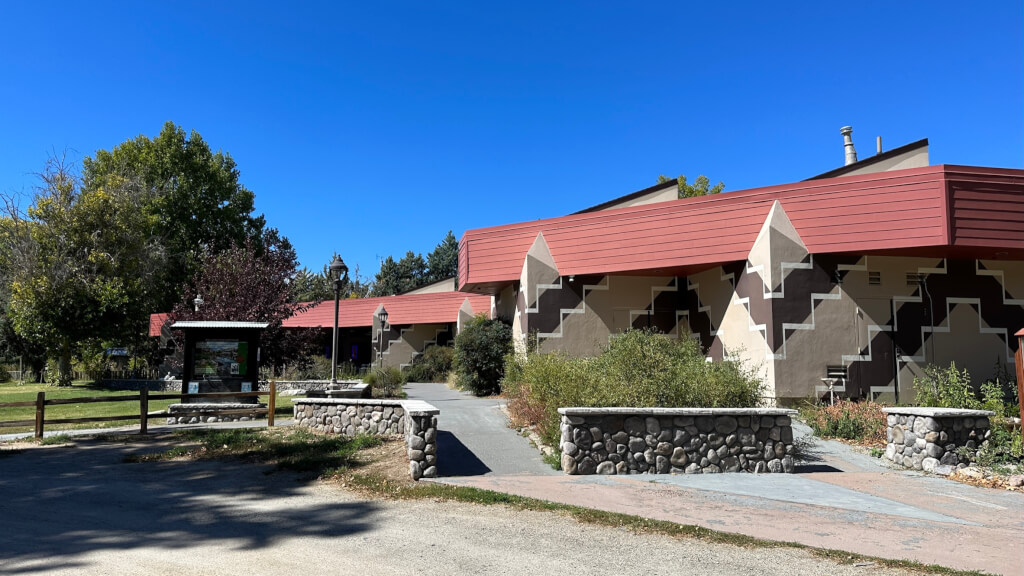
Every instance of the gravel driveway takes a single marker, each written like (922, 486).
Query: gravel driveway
(81, 510)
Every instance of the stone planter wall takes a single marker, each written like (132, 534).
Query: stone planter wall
(415, 420)
(136, 385)
(935, 439)
(676, 440)
(196, 413)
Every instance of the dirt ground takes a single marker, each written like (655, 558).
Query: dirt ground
(82, 509)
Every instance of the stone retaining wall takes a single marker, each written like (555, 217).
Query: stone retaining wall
(196, 413)
(676, 440)
(936, 440)
(175, 385)
(136, 385)
(415, 420)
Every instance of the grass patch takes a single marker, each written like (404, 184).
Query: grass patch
(13, 392)
(379, 486)
(554, 459)
(297, 450)
(55, 440)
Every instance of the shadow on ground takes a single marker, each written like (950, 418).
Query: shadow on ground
(455, 459)
(62, 503)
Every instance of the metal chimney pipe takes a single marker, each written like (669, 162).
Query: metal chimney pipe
(851, 153)
(878, 145)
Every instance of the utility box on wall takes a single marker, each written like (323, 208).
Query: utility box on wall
(220, 357)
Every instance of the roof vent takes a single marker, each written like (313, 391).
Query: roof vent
(851, 153)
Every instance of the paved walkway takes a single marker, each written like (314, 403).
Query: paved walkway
(473, 437)
(839, 499)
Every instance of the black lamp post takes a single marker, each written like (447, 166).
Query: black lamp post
(339, 274)
(383, 317)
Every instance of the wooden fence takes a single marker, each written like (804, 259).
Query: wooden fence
(143, 416)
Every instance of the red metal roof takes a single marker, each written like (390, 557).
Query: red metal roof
(903, 210)
(156, 321)
(437, 308)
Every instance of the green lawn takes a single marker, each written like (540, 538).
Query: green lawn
(13, 392)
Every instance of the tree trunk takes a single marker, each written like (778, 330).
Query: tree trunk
(64, 375)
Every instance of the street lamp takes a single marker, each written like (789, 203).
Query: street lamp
(198, 302)
(339, 274)
(382, 316)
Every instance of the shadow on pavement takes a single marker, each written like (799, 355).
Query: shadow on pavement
(454, 459)
(60, 504)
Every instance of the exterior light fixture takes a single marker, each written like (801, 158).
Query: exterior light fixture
(383, 317)
(198, 302)
(339, 275)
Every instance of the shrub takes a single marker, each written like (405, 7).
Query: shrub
(480, 350)
(945, 388)
(860, 421)
(639, 368)
(387, 382)
(433, 365)
(951, 388)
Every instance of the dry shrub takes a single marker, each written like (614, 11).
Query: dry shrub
(863, 422)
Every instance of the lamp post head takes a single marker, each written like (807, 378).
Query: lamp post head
(383, 315)
(198, 302)
(337, 268)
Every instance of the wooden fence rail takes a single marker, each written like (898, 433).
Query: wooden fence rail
(143, 398)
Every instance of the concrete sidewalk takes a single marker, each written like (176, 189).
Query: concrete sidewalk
(473, 435)
(838, 499)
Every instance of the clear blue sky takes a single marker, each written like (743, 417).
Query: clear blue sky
(373, 128)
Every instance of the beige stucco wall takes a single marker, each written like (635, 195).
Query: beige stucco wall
(447, 285)
(401, 348)
(917, 158)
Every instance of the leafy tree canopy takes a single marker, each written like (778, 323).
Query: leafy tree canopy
(78, 263)
(700, 187)
(198, 205)
(248, 283)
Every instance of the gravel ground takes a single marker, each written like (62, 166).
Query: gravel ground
(81, 510)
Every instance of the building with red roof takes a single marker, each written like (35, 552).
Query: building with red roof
(409, 323)
(852, 280)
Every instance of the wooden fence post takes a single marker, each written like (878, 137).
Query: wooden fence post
(272, 404)
(40, 413)
(143, 409)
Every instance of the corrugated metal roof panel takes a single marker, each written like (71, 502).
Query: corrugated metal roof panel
(896, 210)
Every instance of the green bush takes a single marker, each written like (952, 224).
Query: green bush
(952, 388)
(480, 350)
(387, 382)
(638, 369)
(433, 365)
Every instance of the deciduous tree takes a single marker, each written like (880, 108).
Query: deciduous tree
(78, 263)
(198, 204)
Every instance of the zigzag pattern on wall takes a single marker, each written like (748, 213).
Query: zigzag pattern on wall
(563, 312)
